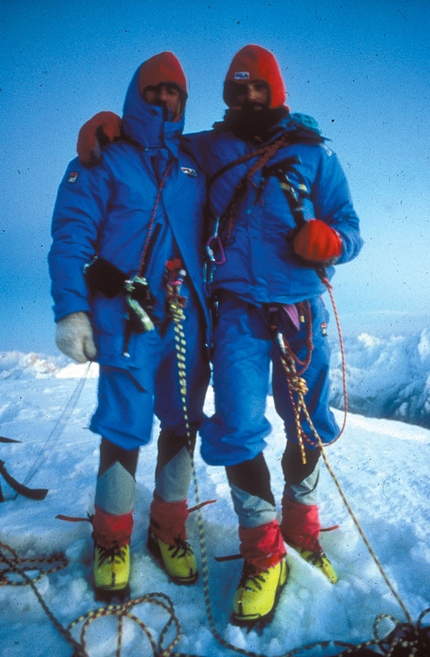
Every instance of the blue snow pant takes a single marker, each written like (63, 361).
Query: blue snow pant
(244, 355)
(125, 413)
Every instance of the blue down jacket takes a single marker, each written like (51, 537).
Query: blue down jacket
(105, 210)
(260, 264)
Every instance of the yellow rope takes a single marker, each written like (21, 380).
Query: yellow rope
(17, 565)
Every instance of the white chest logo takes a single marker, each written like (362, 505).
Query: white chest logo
(189, 171)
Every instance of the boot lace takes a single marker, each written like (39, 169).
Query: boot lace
(316, 558)
(251, 576)
(115, 552)
(180, 550)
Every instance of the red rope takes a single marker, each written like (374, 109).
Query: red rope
(343, 359)
(152, 219)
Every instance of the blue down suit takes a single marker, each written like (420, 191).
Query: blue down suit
(261, 269)
(106, 211)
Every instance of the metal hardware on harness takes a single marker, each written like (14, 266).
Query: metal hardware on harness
(141, 302)
(214, 255)
(214, 246)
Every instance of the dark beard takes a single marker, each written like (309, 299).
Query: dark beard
(252, 123)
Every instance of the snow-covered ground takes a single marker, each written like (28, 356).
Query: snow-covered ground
(381, 464)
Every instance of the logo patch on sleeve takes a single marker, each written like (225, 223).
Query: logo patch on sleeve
(241, 75)
(189, 171)
(73, 176)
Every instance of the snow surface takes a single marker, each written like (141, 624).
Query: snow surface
(381, 465)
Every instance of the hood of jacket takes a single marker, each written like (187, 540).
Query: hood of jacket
(255, 63)
(144, 124)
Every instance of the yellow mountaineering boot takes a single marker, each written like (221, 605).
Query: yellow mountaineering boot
(258, 593)
(319, 560)
(111, 568)
(178, 560)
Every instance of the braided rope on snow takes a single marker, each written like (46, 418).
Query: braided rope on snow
(124, 611)
(14, 565)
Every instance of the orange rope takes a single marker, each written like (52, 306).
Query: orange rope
(298, 386)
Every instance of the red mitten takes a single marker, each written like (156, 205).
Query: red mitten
(317, 242)
(110, 125)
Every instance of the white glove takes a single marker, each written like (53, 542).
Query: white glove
(74, 337)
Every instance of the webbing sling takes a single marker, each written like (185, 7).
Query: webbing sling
(265, 152)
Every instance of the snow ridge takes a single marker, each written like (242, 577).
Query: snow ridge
(386, 377)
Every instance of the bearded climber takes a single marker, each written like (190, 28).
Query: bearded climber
(282, 216)
(121, 244)
(268, 285)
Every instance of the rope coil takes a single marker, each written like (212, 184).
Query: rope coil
(124, 611)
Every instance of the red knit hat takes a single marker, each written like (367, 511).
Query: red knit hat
(256, 63)
(164, 67)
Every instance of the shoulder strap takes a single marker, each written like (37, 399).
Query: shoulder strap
(266, 153)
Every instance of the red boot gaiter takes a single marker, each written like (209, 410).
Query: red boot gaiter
(168, 520)
(300, 525)
(262, 546)
(110, 530)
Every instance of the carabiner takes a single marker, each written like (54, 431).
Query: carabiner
(214, 246)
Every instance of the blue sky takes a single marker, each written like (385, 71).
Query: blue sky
(361, 68)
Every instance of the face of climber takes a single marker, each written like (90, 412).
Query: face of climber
(253, 95)
(164, 95)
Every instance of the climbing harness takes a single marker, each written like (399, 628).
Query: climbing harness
(139, 298)
(228, 219)
(225, 223)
